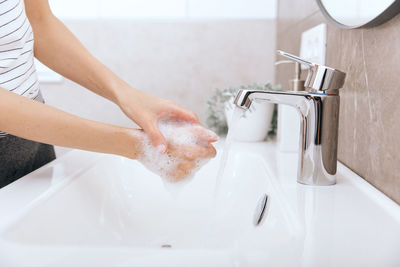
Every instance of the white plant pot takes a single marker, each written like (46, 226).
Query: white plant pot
(254, 126)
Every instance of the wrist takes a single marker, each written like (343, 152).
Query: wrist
(122, 92)
(130, 143)
(113, 87)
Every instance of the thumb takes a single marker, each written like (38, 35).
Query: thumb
(156, 137)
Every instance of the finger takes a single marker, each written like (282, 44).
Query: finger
(178, 175)
(187, 166)
(212, 151)
(195, 152)
(204, 135)
(156, 137)
(180, 113)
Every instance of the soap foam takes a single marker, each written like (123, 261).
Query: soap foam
(176, 133)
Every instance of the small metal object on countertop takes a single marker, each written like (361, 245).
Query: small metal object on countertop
(261, 210)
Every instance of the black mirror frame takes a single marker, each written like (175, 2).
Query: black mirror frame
(385, 16)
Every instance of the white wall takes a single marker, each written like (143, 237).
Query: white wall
(244, 9)
(92, 9)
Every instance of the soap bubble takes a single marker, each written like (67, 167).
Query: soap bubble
(185, 138)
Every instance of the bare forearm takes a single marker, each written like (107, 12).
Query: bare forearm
(59, 49)
(33, 120)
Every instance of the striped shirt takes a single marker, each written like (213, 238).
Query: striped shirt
(17, 68)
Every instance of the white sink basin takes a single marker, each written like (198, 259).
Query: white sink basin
(111, 211)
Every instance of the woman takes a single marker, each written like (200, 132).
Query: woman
(27, 29)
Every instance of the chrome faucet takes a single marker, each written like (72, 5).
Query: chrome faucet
(319, 110)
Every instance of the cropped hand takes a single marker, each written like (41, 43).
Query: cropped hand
(146, 110)
(190, 157)
(183, 157)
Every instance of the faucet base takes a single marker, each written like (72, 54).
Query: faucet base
(318, 183)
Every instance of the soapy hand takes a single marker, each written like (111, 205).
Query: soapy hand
(189, 148)
(188, 159)
(147, 110)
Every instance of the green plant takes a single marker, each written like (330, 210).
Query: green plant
(216, 119)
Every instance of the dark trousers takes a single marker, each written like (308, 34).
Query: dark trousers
(19, 157)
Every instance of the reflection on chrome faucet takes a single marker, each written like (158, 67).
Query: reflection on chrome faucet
(319, 111)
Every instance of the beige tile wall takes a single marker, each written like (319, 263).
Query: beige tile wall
(176, 59)
(369, 130)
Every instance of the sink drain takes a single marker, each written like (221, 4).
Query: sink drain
(166, 246)
(261, 209)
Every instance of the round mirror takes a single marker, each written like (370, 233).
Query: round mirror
(350, 14)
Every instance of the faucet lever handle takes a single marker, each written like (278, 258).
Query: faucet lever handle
(295, 58)
(321, 79)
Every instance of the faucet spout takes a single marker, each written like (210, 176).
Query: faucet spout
(244, 98)
(319, 115)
